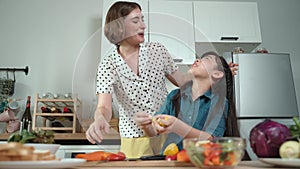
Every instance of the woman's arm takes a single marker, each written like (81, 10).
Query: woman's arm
(178, 78)
(102, 116)
(104, 106)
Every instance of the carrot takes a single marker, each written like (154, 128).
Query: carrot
(80, 155)
(207, 149)
(95, 156)
(230, 159)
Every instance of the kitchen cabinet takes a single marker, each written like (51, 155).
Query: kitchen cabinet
(168, 22)
(171, 23)
(106, 46)
(227, 23)
(70, 103)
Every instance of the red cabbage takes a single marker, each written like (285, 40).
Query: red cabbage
(266, 138)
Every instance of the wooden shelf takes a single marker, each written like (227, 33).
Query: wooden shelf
(54, 114)
(72, 104)
(56, 128)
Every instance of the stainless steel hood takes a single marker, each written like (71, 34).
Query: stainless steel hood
(222, 47)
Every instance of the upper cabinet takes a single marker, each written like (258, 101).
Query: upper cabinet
(171, 23)
(221, 23)
(190, 27)
(106, 46)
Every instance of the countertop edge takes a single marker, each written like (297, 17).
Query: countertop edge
(112, 135)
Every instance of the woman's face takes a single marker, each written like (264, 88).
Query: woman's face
(135, 27)
(204, 67)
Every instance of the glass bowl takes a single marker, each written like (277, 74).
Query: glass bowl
(222, 152)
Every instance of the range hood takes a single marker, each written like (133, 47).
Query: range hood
(221, 47)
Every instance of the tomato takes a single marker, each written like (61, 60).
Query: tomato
(121, 154)
(183, 156)
(171, 157)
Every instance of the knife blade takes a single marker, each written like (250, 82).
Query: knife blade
(152, 157)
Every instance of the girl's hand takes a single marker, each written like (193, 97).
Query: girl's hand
(164, 123)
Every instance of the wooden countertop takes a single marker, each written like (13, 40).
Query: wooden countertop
(112, 135)
(167, 164)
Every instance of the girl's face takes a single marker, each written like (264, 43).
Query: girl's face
(135, 26)
(204, 67)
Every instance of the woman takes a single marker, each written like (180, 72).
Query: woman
(202, 108)
(135, 72)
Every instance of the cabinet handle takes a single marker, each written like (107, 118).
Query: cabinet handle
(229, 38)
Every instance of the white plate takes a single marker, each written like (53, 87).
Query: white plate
(281, 162)
(63, 163)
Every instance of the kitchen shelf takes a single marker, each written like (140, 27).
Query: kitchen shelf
(71, 103)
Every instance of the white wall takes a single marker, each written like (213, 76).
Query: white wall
(47, 36)
(50, 37)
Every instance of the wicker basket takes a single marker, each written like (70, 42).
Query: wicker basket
(7, 87)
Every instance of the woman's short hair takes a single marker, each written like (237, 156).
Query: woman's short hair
(114, 29)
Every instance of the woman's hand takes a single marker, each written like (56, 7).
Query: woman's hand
(233, 67)
(142, 119)
(95, 132)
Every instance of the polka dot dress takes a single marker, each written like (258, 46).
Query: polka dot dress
(134, 93)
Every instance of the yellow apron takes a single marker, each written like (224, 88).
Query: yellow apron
(142, 146)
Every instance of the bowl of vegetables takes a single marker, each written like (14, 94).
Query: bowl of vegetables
(222, 152)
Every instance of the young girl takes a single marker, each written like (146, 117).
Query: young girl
(202, 108)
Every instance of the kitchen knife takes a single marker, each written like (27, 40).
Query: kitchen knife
(153, 157)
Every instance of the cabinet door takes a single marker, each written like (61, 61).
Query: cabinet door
(106, 46)
(226, 22)
(171, 23)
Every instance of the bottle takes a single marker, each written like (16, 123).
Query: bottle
(61, 123)
(26, 118)
(47, 95)
(47, 110)
(68, 110)
(68, 96)
(55, 110)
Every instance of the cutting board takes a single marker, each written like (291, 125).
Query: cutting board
(140, 163)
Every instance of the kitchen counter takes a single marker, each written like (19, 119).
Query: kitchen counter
(167, 164)
(113, 137)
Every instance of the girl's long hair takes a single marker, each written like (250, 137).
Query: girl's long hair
(231, 120)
